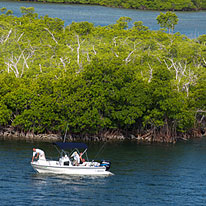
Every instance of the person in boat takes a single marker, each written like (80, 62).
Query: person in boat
(81, 159)
(76, 157)
(38, 153)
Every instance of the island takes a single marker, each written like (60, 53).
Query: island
(178, 5)
(100, 82)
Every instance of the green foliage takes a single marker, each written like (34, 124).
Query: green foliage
(3, 10)
(198, 96)
(138, 25)
(81, 28)
(98, 78)
(5, 114)
(122, 22)
(28, 12)
(167, 20)
(202, 39)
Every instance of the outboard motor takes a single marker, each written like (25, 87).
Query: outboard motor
(107, 164)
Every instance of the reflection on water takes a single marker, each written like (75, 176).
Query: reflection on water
(40, 179)
(74, 188)
(144, 175)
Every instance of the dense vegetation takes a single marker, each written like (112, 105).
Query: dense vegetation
(97, 79)
(177, 5)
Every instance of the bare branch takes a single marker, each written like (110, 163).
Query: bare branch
(78, 48)
(204, 61)
(51, 35)
(18, 64)
(150, 72)
(94, 50)
(114, 40)
(168, 67)
(128, 57)
(62, 61)
(70, 47)
(40, 68)
(8, 35)
(201, 111)
(88, 59)
(125, 40)
(20, 36)
(115, 54)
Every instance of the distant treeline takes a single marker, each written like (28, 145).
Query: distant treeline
(174, 5)
(97, 79)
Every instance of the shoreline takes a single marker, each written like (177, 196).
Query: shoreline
(108, 136)
(110, 6)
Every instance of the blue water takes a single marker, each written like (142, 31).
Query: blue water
(191, 24)
(154, 175)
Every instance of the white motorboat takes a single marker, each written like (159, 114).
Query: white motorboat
(65, 164)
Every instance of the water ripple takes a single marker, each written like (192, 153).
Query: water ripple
(144, 175)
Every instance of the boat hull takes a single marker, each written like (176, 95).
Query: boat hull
(54, 168)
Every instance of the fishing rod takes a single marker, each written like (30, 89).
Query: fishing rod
(65, 133)
(100, 150)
